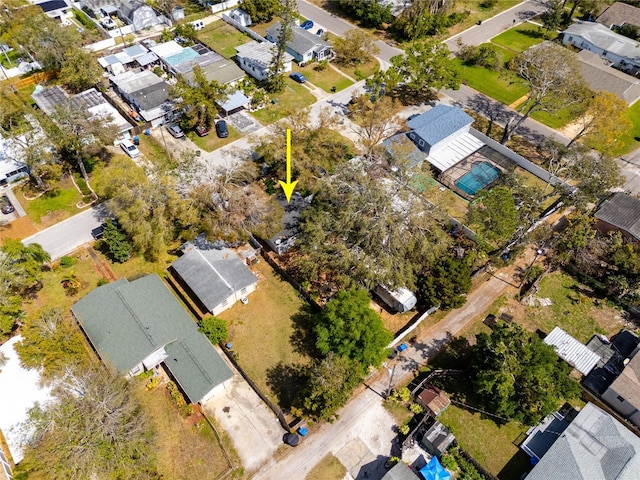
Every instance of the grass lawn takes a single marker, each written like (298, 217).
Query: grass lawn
(477, 12)
(153, 150)
(631, 139)
(265, 332)
(499, 85)
(13, 55)
(329, 468)
(53, 206)
(292, 99)
(557, 120)
(361, 71)
(223, 38)
(184, 450)
(325, 79)
(520, 38)
(212, 141)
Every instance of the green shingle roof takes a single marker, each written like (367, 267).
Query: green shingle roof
(127, 321)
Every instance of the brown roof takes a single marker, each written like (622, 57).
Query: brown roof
(620, 14)
(599, 75)
(434, 399)
(627, 384)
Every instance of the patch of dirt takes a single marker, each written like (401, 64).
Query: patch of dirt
(53, 218)
(19, 229)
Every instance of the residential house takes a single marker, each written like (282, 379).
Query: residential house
(401, 300)
(540, 437)
(620, 212)
(215, 279)
(139, 14)
(256, 58)
(594, 446)
(622, 52)
(234, 103)
(433, 400)
(398, 6)
(95, 104)
(623, 395)
(214, 67)
(12, 167)
(572, 351)
(135, 56)
(286, 237)
(600, 76)
(140, 325)
(304, 45)
(620, 14)
(400, 471)
(56, 9)
(147, 93)
(241, 17)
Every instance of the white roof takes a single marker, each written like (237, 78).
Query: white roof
(454, 152)
(106, 109)
(167, 49)
(606, 39)
(21, 390)
(572, 351)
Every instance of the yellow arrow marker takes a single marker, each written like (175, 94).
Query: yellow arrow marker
(289, 186)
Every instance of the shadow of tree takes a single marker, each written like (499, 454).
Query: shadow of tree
(303, 339)
(287, 382)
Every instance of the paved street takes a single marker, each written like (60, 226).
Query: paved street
(66, 236)
(630, 169)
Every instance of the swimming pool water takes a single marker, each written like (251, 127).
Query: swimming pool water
(480, 175)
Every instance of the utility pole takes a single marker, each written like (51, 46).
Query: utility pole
(392, 372)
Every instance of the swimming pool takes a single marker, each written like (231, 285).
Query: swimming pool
(480, 175)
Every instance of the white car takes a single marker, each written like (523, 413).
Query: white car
(129, 148)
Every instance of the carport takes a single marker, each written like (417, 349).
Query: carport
(234, 103)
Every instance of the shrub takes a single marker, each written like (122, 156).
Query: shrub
(480, 55)
(321, 65)
(102, 281)
(415, 408)
(152, 383)
(214, 328)
(185, 409)
(449, 462)
(404, 429)
(67, 261)
(115, 243)
(402, 394)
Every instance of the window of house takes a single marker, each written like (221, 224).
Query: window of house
(571, 39)
(225, 303)
(604, 53)
(421, 143)
(244, 290)
(412, 136)
(620, 399)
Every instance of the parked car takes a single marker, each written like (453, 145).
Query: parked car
(307, 25)
(298, 77)
(221, 129)
(320, 32)
(7, 207)
(202, 130)
(129, 148)
(176, 131)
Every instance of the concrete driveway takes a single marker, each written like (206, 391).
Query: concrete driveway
(252, 426)
(630, 169)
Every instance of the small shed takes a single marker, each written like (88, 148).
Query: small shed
(240, 16)
(234, 103)
(434, 400)
(572, 351)
(401, 300)
(437, 439)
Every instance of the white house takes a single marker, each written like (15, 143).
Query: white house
(255, 59)
(57, 9)
(622, 52)
(304, 45)
(401, 300)
(240, 16)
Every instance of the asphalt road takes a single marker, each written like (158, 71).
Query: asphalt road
(65, 237)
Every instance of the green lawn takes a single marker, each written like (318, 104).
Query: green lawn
(59, 202)
(293, 98)
(631, 139)
(223, 38)
(12, 56)
(212, 141)
(154, 151)
(361, 71)
(502, 86)
(267, 330)
(325, 79)
(520, 38)
(556, 120)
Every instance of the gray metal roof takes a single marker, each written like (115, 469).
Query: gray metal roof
(48, 99)
(236, 100)
(260, 54)
(400, 471)
(148, 90)
(621, 211)
(222, 71)
(599, 75)
(213, 275)
(303, 40)
(572, 351)
(127, 321)
(605, 39)
(595, 446)
(439, 122)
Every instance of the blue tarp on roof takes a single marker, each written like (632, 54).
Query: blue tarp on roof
(434, 471)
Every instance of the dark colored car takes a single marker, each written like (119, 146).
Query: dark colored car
(221, 129)
(298, 77)
(6, 205)
(307, 25)
(202, 130)
(320, 32)
(176, 131)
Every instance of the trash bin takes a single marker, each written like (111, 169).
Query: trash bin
(147, 132)
(136, 140)
(198, 152)
(302, 431)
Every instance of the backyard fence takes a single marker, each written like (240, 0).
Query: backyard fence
(226, 5)
(242, 28)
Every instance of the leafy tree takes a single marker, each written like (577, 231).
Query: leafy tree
(117, 247)
(330, 383)
(446, 283)
(595, 176)
(483, 55)
(376, 118)
(493, 215)
(518, 376)
(260, 11)
(198, 99)
(552, 74)
(95, 428)
(370, 13)
(426, 18)
(425, 67)
(628, 31)
(355, 47)
(79, 71)
(287, 12)
(214, 328)
(349, 328)
(552, 16)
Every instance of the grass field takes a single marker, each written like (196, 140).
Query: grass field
(502, 86)
(292, 99)
(478, 12)
(53, 206)
(223, 38)
(329, 468)
(631, 139)
(520, 38)
(212, 141)
(265, 332)
(325, 79)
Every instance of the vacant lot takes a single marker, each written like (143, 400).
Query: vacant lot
(325, 79)
(520, 38)
(269, 329)
(53, 206)
(223, 38)
(502, 85)
(329, 468)
(292, 99)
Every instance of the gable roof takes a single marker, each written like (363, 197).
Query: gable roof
(303, 40)
(628, 382)
(213, 275)
(400, 471)
(620, 14)
(595, 446)
(435, 399)
(603, 38)
(222, 71)
(599, 75)
(127, 321)
(572, 351)
(621, 211)
(260, 54)
(439, 122)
